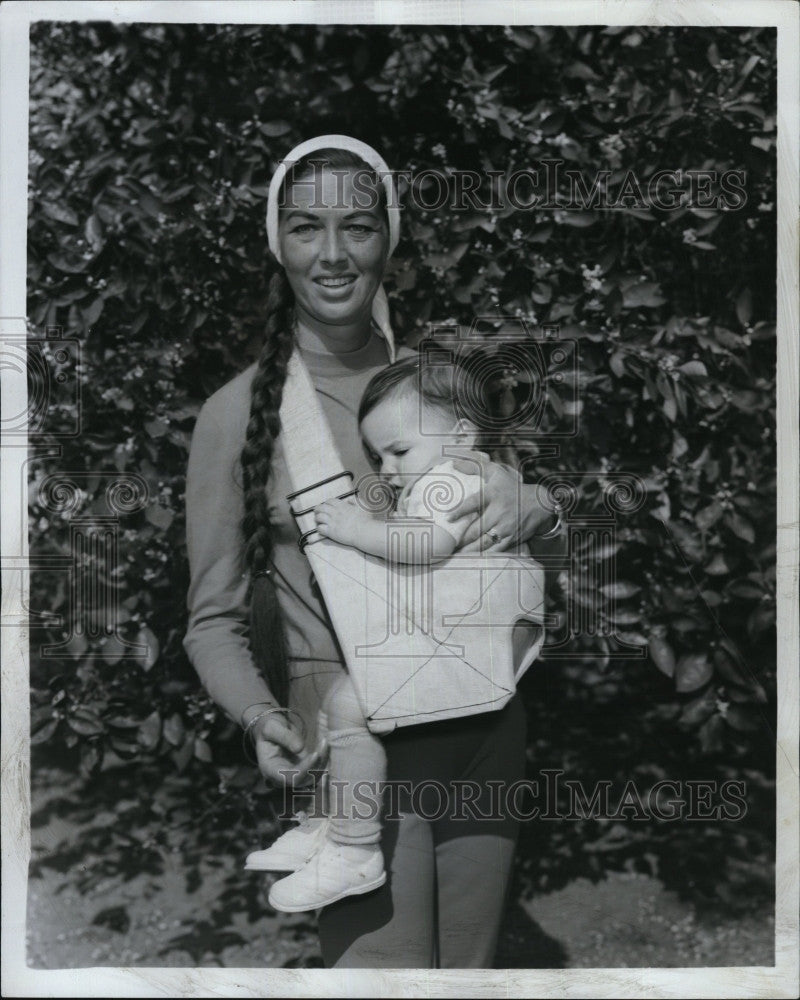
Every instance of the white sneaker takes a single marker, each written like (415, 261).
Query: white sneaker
(293, 848)
(335, 871)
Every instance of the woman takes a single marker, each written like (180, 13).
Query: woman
(444, 897)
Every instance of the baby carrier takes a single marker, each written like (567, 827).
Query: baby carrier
(421, 642)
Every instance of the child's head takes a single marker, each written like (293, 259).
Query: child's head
(408, 412)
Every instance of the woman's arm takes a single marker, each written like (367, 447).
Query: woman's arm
(217, 635)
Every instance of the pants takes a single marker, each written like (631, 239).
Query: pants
(448, 874)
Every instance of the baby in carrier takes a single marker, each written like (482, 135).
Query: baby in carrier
(408, 416)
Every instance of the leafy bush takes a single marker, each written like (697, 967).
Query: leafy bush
(148, 185)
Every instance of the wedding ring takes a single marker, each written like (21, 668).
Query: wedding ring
(493, 535)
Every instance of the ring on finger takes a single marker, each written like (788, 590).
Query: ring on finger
(493, 535)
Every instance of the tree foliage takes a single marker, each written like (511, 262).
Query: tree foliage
(151, 151)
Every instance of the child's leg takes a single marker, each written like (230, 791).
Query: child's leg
(356, 769)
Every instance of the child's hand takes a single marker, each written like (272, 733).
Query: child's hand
(340, 520)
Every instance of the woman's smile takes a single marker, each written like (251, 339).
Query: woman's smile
(337, 284)
(346, 279)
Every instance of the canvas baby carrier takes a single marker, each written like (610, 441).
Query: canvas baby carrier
(420, 642)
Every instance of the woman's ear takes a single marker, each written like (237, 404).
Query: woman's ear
(467, 432)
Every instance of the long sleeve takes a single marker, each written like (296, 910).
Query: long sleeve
(216, 640)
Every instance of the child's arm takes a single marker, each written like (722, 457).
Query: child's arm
(345, 522)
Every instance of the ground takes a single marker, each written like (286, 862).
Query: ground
(166, 917)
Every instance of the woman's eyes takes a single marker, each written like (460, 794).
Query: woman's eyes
(357, 229)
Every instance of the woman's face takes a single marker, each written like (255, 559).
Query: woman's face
(334, 244)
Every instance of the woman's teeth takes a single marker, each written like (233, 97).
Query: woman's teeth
(335, 282)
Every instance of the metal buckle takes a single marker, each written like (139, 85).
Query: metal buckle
(305, 538)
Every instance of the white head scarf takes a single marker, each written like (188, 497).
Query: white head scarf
(380, 304)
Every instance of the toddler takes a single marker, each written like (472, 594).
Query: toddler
(409, 413)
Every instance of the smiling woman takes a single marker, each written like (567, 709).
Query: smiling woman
(333, 255)
(332, 222)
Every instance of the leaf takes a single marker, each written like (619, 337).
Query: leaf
(626, 617)
(744, 306)
(645, 293)
(174, 730)
(747, 591)
(711, 734)
(92, 314)
(708, 516)
(662, 655)
(692, 672)
(620, 590)
(146, 637)
(93, 231)
(91, 757)
(695, 369)
(541, 293)
(123, 722)
(156, 428)
(617, 363)
(743, 719)
(44, 732)
(631, 638)
(60, 213)
(580, 220)
(275, 128)
(738, 676)
(717, 566)
(159, 516)
(149, 733)
(183, 754)
(62, 263)
(202, 750)
(740, 526)
(698, 710)
(85, 723)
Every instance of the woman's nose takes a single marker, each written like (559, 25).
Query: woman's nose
(332, 249)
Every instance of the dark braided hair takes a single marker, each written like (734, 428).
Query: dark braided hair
(267, 637)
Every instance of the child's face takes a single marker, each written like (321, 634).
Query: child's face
(393, 435)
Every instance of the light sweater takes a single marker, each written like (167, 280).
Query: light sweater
(217, 635)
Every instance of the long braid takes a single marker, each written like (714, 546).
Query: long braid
(267, 633)
(267, 636)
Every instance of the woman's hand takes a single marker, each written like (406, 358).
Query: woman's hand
(511, 514)
(279, 750)
(340, 520)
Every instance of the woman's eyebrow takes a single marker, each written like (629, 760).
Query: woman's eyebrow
(299, 212)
